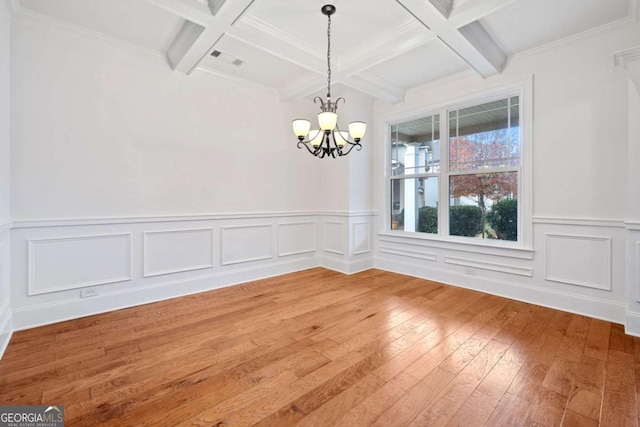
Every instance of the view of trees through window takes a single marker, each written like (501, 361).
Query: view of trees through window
(480, 166)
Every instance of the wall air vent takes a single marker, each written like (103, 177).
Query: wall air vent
(225, 57)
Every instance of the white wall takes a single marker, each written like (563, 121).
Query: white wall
(5, 214)
(577, 259)
(146, 184)
(100, 130)
(629, 61)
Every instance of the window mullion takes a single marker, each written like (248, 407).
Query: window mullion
(443, 190)
(483, 171)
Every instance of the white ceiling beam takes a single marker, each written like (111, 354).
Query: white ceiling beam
(444, 6)
(198, 36)
(273, 40)
(187, 9)
(386, 46)
(235, 78)
(473, 10)
(282, 44)
(476, 34)
(475, 46)
(373, 86)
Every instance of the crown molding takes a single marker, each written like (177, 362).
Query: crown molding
(623, 58)
(301, 88)
(584, 35)
(375, 86)
(66, 26)
(237, 79)
(440, 81)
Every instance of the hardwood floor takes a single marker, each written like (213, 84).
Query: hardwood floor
(319, 348)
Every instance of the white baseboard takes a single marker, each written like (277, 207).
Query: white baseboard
(6, 328)
(44, 314)
(632, 324)
(573, 303)
(346, 267)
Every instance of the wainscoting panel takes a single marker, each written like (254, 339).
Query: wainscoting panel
(174, 251)
(408, 253)
(78, 261)
(579, 260)
(334, 237)
(491, 266)
(246, 243)
(296, 238)
(361, 238)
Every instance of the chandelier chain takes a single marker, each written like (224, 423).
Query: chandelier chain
(329, 57)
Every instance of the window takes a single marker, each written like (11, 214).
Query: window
(459, 176)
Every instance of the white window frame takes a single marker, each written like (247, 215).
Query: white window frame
(524, 90)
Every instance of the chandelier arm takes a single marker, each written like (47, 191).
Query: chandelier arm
(315, 101)
(353, 145)
(306, 145)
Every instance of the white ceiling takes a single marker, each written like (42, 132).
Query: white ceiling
(380, 48)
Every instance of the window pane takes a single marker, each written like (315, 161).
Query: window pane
(484, 205)
(415, 146)
(486, 135)
(414, 204)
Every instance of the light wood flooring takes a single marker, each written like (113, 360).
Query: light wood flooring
(318, 348)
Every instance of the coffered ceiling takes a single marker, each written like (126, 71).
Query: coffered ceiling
(381, 48)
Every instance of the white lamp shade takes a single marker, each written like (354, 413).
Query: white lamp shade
(301, 127)
(327, 120)
(316, 137)
(341, 137)
(357, 129)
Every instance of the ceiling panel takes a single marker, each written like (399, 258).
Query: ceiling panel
(428, 62)
(526, 24)
(364, 33)
(257, 65)
(354, 22)
(135, 21)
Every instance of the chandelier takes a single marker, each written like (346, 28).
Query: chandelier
(328, 140)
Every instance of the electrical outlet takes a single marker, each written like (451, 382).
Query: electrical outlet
(470, 271)
(88, 292)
